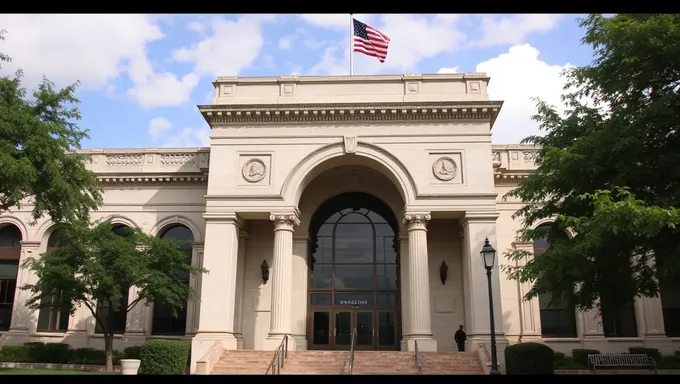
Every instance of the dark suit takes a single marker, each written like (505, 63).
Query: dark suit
(460, 338)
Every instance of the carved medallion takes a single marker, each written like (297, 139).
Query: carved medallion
(254, 170)
(444, 168)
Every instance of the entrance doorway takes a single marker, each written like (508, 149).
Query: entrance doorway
(354, 270)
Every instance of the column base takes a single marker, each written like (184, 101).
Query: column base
(273, 341)
(202, 342)
(300, 342)
(240, 341)
(425, 343)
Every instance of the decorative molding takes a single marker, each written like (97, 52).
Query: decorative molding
(178, 158)
(152, 180)
(350, 144)
(416, 220)
(354, 112)
(124, 160)
(284, 222)
(254, 170)
(444, 168)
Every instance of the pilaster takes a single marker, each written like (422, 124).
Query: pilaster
(240, 288)
(24, 320)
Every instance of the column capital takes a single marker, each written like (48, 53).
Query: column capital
(224, 217)
(479, 217)
(416, 220)
(284, 221)
(243, 235)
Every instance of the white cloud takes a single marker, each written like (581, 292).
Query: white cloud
(163, 90)
(158, 126)
(334, 20)
(449, 70)
(514, 29)
(65, 48)
(413, 38)
(516, 77)
(286, 42)
(161, 132)
(229, 48)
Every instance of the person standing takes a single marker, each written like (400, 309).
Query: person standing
(460, 338)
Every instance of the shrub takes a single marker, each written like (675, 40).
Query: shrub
(651, 352)
(132, 352)
(669, 362)
(581, 355)
(558, 358)
(569, 363)
(55, 353)
(529, 359)
(16, 353)
(164, 357)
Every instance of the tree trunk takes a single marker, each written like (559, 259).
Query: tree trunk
(108, 347)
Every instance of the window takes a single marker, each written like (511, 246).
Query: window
(164, 323)
(54, 318)
(619, 322)
(558, 319)
(120, 316)
(10, 251)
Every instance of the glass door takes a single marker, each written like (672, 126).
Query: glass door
(321, 330)
(387, 330)
(366, 332)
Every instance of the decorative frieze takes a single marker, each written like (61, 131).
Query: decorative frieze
(327, 113)
(178, 159)
(151, 180)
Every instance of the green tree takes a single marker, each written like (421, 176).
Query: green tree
(608, 169)
(36, 135)
(95, 265)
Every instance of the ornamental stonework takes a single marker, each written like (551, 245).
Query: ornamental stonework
(416, 220)
(444, 169)
(287, 221)
(254, 170)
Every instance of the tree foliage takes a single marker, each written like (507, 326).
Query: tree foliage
(608, 168)
(35, 135)
(94, 264)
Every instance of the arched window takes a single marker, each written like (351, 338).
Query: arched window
(10, 251)
(120, 316)
(164, 323)
(558, 319)
(54, 319)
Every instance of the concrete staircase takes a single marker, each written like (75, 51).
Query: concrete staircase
(450, 363)
(337, 363)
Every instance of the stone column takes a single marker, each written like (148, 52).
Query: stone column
(282, 281)
(403, 276)
(419, 315)
(240, 288)
(476, 228)
(300, 268)
(653, 317)
(217, 286)
(24, 320)
(193, 306)
(530, 310)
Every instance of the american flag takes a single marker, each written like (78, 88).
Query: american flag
(370, 41)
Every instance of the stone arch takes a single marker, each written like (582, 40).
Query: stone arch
(323, 159)
(12, 220)
(570, 232)
(173, 220)
(122, 220)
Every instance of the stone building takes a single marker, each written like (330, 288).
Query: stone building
(325, 204)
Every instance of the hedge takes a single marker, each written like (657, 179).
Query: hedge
(164, 357)
(651, 352)
(529, 359)
(581, 355)
(58, 353)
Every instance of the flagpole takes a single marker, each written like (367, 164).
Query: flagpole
(351, 45)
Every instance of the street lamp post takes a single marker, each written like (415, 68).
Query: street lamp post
(489, 258)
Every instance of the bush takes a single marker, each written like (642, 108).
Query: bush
(669, 362)
(164, 357)
(581, 355)
(55, 353)
(132, 352)
(529, 359)
(557, 359)
(569, 363)
(651, 352)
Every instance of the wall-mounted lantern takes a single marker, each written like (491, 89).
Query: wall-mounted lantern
(443, 272)
(264, 268)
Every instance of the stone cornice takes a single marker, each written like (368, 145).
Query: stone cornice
(513, 163)
(354, 112)
(146, 179)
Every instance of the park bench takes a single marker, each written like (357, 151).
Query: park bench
(623, 361)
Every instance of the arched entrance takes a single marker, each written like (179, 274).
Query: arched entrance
(354, 274)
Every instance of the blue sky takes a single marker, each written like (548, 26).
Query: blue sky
(143, 75)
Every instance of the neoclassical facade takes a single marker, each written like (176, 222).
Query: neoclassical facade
(323, 205)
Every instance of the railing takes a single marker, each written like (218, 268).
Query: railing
(280, 356)
(419, 364)
(351, 351)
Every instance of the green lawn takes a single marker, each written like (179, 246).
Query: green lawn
(25, 371)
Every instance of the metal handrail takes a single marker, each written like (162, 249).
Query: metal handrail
(280, 355)
(419, 364)
(351, 351)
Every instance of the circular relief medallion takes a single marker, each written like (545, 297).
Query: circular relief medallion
(254, 170)
(444, 168)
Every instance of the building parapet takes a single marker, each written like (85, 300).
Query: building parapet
(513, 163)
